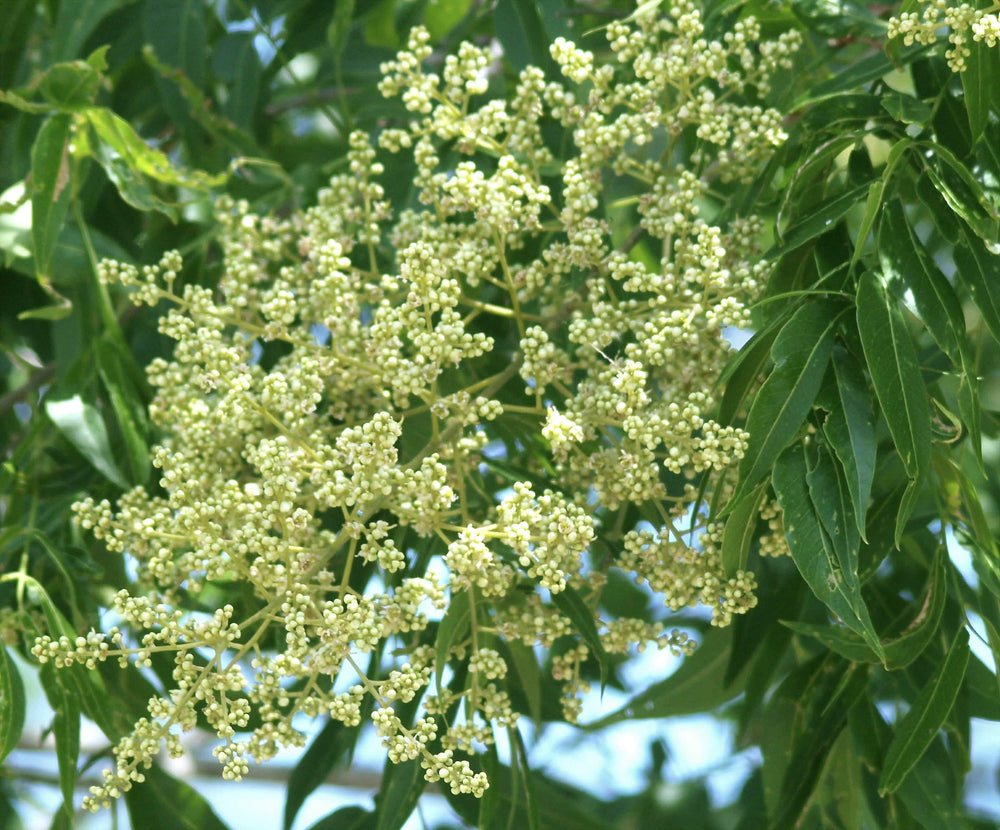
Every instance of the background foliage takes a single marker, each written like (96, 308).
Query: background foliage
(875, 422)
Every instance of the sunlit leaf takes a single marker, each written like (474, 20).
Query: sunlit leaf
(84, 428)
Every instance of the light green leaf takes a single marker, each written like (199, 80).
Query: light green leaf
(70, 86)
(441, 16)
(917, 729)
(84, 428)
(11, 704)
(892, 363)
(875, 194)
(812, 550)
(801, 352)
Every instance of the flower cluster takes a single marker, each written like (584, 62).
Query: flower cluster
(401, 431)
(961, 20)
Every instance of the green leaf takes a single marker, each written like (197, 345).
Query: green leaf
(441, 16)
(572, 605)
(402, 786)
(522, 34)
(892, 363)
(70, 86)
(979, 269)
(50, 191)
(901, 650)
(128, 409)
(906, 108)
(129, 161)
(340, 27)
(697, 686)
(60, 690)
(84, 428)
(832, 504)
(861, 72)
(175, 31)
(76, 21)
(741, 526)
(849, 428)
(526, 667)
(875, 194)
(11, 704)
(325, 751)
(801, 352)
(812, 550)
(235, 61)
(820, 218)
(454, 625)
(162, 802)
(961, 190)
(917, 729)
(346, 818)
(979, 81)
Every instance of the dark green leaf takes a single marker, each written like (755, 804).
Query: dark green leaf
(832, 503)
(75, 23)
(906, 108)
(572, 605)
(741, 526)
(175, 30)
(861, 72)
(961, 190)
(979, 81)
(892, 363)
(875, 194)
(454, 626)
(235, 61)
(820, 219)
(346, 818)
(917, 729)
(163, 802)
(801, 352)
(526, 668)
(402, 785)
(340, 27)
(813, 552)
(62, 696)
(979, 269)
(326, 750)
(697, 686)
(850, 429)
(521, 32)
(11, 704)
(128, 409)
(50, 191)
(84, 428)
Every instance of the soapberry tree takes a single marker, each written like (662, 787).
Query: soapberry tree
(408, 369)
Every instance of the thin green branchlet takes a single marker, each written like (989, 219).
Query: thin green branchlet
(341, 483)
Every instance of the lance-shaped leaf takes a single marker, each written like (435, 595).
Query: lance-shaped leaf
(697, 686)
(323, 754)
(849, 428)
(812, 550)
(918, 728)
(979, 269)
(900, 651)
(50, 191)
(832, 504)
(741, 525)
(572, 605)
(11, 704)
(892, 363)
(60, 690)
(801, 352)
(451, 631)
(84, 428)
